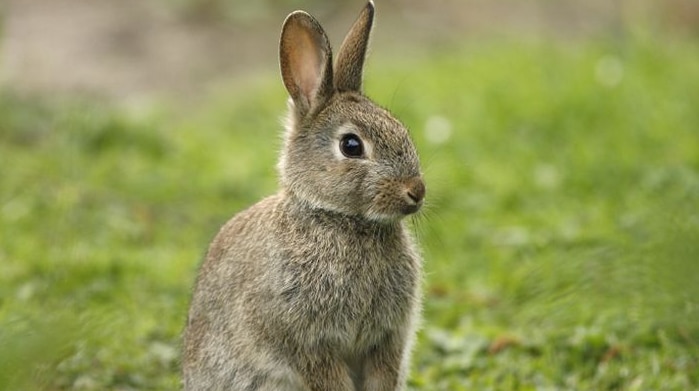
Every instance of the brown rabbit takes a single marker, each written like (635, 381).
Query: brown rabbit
(317, 287)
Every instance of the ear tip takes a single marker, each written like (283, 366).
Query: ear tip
(303, 21)
(297, 16)
(370, 7)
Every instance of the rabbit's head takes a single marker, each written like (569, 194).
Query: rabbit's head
(342, 152)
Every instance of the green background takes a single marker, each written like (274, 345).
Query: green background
(560, 234)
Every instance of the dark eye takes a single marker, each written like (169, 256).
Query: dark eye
(351, 146)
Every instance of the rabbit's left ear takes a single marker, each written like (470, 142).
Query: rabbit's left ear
(305, 59)
(350, 59)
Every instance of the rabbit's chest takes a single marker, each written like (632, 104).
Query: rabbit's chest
(349, 298)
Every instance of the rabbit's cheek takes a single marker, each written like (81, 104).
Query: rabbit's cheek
(385, 205)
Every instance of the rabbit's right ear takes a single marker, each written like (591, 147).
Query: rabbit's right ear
(305, 59)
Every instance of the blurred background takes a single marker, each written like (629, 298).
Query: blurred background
(131, 48)
(559, 139)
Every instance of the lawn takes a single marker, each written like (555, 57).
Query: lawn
(561, 235)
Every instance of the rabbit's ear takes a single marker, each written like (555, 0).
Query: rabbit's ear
(350, 58)
(305, 60)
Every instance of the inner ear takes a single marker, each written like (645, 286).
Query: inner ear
(308, 61)
(350, 59)
(305, 60)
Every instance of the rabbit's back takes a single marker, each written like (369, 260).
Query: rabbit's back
(219, 348)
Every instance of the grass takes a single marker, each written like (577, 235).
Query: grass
(561, 237)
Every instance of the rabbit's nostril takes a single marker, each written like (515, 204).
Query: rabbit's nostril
(416, 190)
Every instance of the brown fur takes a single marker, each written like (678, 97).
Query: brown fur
(317, 287)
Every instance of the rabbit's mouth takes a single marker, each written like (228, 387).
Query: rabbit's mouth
(410, 209)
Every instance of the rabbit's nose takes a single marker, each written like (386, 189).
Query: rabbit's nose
(416, 189)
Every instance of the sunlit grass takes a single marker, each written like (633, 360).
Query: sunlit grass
(561, 237)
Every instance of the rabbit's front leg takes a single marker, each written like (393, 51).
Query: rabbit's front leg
(385, 368)
(324, 372)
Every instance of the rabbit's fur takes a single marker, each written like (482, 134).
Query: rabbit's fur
(317, 287)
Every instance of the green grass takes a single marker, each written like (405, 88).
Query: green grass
(561, 237)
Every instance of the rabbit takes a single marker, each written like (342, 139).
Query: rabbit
(317, 288)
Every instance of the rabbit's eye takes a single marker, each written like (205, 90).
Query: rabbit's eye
(351, 146)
